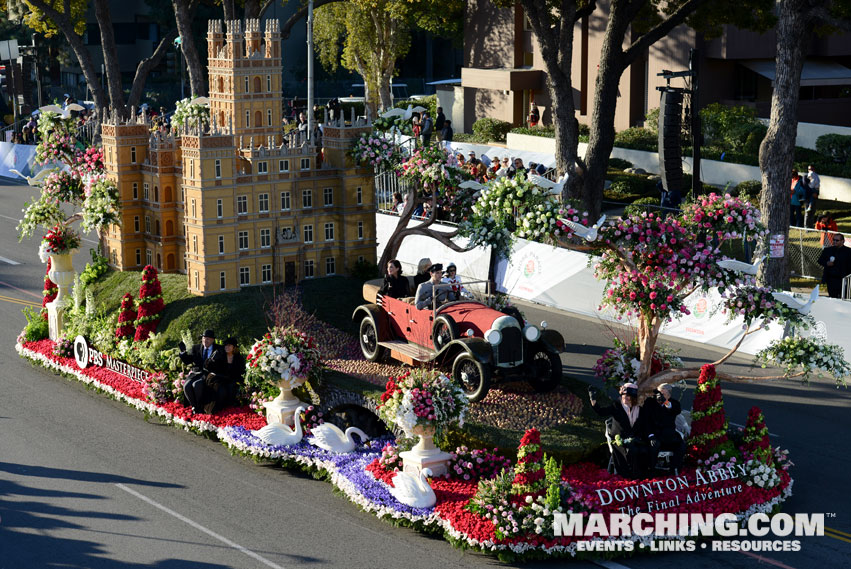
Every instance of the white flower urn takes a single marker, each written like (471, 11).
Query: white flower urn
(425, 454)
(281, 410)
(62, 274)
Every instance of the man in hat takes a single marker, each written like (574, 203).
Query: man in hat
(198, 357)
(662, 410)
(628, 430)
(432, 289)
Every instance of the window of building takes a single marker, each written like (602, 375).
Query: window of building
(193, 207)
(194, 243)
(266, 273)
(256, 84)
(247, 117)
(149, 257)
(148, 225)
(262, 167)
(360, 258)
(221, 244)
(308, 234)
(145, 189)
(360, 229)
(244, 276)
(138, 256)
(243, 240)
(307, 199)
(329, 232)
(136, 224)
(308, 269)
(360, 195)
(283, 165)
(242, 205)
(328, 196)
(246, 84)
(197, 281)
(330, 266)
(218, 168)
(258, 119)
(268, 117)
(191, 168)
(133, 154)
(305, 163)
(220, 210)
(222, 281)
(285, 201)
(269, 83)
(263, 201)
(135, 190)
(265, 238)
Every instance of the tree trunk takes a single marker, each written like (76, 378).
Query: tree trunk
(648, 335)
(183, 11)
(229, 12)
(776, 153)
(145, 66)
(110, 58)
(384, 93)
(252, 9)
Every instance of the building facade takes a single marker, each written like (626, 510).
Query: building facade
(238, 203)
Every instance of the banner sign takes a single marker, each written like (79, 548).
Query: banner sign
(20, 157)
(85, 355)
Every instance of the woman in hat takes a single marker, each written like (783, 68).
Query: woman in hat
(422, 272)
(226, 371)
(629, 428)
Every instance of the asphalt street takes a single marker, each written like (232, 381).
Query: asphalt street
(87, 482)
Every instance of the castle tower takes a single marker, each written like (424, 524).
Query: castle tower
(245, 78)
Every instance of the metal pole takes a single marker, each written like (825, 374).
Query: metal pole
(310, 69)
(696, 136)
(14, 91)
(37, 74)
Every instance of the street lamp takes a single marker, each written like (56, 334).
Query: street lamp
(178, 44)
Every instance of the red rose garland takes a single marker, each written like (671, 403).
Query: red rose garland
(756, 436)
(50, 290)
(709, 423)
(126, 318)
(529, 475)
(150, 304)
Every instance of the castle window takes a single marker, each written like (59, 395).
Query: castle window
(218, 168)
(148, 226)
(243, 240)
(191, 168)
(263, 201)
(360, 229)
(145, 189)
(221, 244)
(241, 205)
(193, 208)
(219, 209)
(267, 273)
(156, 194)
(135, 190)
(360, 195)
(149, 257)
(283, 165)
(308, 269)
(269, 83)
(138, 256)
(285, 201)
(268, 117)
(265, 238)
(194, 243)
(157, 225)
(258, 118)
(197, 284)
(330, 266)
(221, 85)
(305, 163)
(308, 234)
(222, 281)
(133, 154)
(360, 259)
(328, 196)
(256, 84)
(307, 199)
(247, 116)
(329, 232)
(262, 167)
(136, 224)
(244, 276)
(246, 84)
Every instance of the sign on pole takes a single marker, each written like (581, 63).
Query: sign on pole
(9, 49)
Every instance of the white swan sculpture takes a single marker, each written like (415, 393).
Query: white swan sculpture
(587, 233)
(792, 301)
(279, 434)
(555, 188)
(64, 113)
(329, 437)
(34, 180)
(413, 490)
(740, 267)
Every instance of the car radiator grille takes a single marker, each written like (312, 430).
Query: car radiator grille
(511, 347)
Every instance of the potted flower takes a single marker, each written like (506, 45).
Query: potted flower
(421, 402)
(284, 358)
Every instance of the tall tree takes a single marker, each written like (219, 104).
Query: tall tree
(798, 21)
(183, 13)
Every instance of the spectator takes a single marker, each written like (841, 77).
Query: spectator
(461, 161)
(447, 133)
(798, 198)
(471, 158)
(534, 116)
(416, 127)
(398, 203)
(199, 357)
(302, 123)
(503, 168)
(516, 168)
(334, 109)
(836, 261)
(826, 224)
(814, 185)
(439, 123)
(427, 128)
(422, 272)
(452, 278)
(541, 169)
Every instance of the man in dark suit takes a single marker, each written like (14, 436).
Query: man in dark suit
(662, 414)
(198, 357)
(439, 123)
(628, 430)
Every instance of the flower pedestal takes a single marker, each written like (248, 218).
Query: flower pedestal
(425, 454)
(61, 273)
(281, 409)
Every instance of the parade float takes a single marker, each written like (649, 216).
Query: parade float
(503, 501)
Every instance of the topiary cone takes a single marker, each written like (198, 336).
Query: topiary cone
(709, 422)
(50, 291)
(126, 318)
(150, 304)
(529, 473)
(756, 436)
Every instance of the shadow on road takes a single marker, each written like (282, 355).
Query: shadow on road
(79, 475)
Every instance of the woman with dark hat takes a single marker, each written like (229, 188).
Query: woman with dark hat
(226, 371)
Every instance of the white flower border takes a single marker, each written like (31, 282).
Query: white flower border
(344, 484)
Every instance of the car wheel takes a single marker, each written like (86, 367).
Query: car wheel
(546, 371)
(443, 332)
(369, 340)
(473, 376)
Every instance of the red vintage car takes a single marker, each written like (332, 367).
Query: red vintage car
(469, 339)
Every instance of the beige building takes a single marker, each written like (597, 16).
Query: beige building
(503, 71)
(237, 203)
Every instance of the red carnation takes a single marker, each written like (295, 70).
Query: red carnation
(150, 304)
(709, 430)
(126, 318)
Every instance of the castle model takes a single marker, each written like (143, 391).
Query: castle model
(237, 203)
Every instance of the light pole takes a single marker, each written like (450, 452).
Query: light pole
(310, 117)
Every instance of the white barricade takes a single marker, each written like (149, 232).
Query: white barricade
(20, 157)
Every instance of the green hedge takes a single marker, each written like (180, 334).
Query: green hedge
(836, 146)
(488, 129)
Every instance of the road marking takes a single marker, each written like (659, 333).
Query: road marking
(9, 261)
(18, 301)
(21, 290)
(742, 426)
(766, 560)
(836, 534)
(199, 527)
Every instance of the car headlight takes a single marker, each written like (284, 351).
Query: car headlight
(531, 333)
(493, 337)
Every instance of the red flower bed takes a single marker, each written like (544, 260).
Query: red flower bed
(380, 473)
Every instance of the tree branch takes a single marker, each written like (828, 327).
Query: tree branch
(822, 16)
(585, 10)
(299, 14)
(659, 31)
(145, 66)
